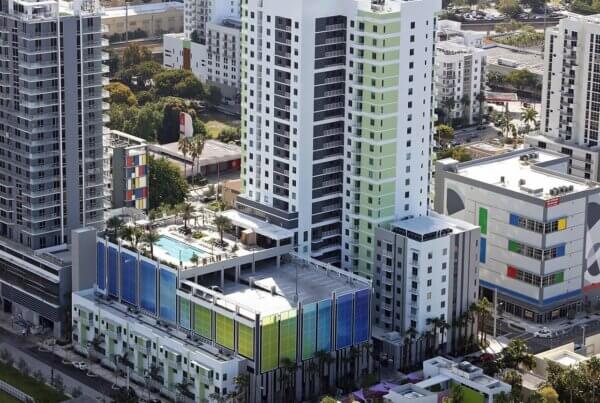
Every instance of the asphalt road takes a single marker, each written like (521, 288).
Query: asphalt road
(537, 344)
(471, 134)
(96, 383)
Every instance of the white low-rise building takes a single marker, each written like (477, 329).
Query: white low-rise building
(441, 371)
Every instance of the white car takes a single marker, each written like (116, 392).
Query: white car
(80, 365)
(543, 333)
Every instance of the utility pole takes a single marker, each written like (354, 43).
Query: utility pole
(495, 310)
(127, 23)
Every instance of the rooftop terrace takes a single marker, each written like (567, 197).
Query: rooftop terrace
(530, 171)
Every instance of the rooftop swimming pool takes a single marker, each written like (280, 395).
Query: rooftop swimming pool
(179, 250)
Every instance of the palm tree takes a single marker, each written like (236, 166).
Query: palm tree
(195, 259)
(480, 97)
(114, 224)
(465, 101)
(151, 237)
(187, 211)
(133, 234)
(325, 359)
(312, 369)
(516, 353)
(196, 151)
(484, 307)
(185, 145)
(222, 223)
(444, 326)
(448, 105)
(242, 386)
(505, 123)
(528, 117)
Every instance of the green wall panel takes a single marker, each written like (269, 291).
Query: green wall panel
(184, 313)
(269, 343)
(514, 246)
(483, 220)
(287, 332)
(224, 334)
(246, 341)
(202, 321)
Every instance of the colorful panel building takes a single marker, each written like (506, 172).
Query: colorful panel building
(263, 320)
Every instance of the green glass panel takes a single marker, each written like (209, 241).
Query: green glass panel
(309, 330)
(269, 343)
(483, 220)
(287, 332)
(514, 246)
(559, 277)
(246, 341)
(184, 313)
(202, 321)
(224, 331)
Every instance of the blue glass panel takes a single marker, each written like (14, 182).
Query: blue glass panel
(148, 286)
(113, 255)
(128, 277)
(560, 250)
(324, 326)
(361, 316)
(100, 272)
(514, 219)
(309, 330)
(343, 321)
(482, 249)
(168, 300)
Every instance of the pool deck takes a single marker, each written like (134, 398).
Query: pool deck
(213, 253)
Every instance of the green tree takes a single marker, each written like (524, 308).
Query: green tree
(149, 122)
(445, 132)
(222, 223)
(512, 8)
(123, 117)
(195, 37)
(213, 95)
(190, 87)
(230, 135)
(515, 354)
(185, 147)
(199, 128)
(178, 83)
(144, 97)
(196, 152)
(528, 117)
(187, 213)
(166, 185)
(169, 132)
(151, 237)
(121, 94)
(458, 153)
(548, 394)
(124, 395)
(448, 104)
(135, 55)
(113, 227)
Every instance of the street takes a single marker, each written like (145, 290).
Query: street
(37, 359)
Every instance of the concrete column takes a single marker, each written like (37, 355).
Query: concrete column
(278, 256)
(237, 273)
(222, 279)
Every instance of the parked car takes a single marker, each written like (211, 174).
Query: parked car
(543, 333)
(80, 365)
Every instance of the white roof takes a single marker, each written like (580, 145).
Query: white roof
(257, 225)
(138, 9)
(490, 170)
(434, 380)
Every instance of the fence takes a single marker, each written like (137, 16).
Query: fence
(16, 393)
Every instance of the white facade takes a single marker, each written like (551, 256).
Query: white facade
(537, 228)
(333, 134)
(199, 12)
(216, 61)
(571, 92)
(459, 75)
(146, 345)
(426, 268)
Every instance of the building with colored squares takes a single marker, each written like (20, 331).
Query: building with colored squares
(540, 234)
(209, 324)
(127, 166)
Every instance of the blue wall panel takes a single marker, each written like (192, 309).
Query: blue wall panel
(128, 277)
(361, 316)
(113, 280)
(100, 271)
(148, 286)
(343, 321)
(482, 250)
(324, 326)
(309, 330)
(168, 299)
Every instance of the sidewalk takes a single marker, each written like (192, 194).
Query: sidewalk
(70, 383)
(66, 354)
